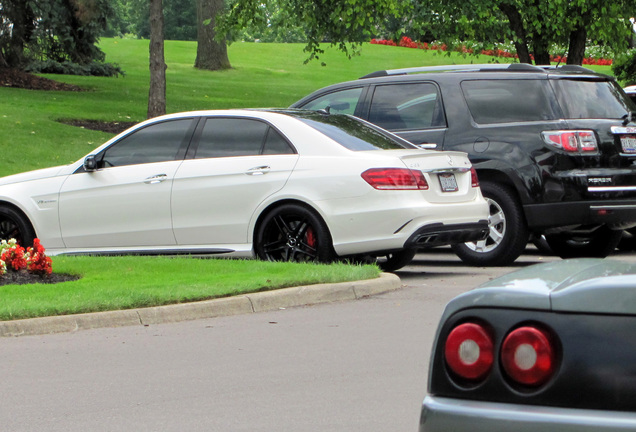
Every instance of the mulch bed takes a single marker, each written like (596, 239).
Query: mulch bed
(24, 80)
(24, 277)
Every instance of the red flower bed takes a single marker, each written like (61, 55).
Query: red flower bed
(407, 42)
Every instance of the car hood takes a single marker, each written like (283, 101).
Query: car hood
(577, 285)
(32, 175)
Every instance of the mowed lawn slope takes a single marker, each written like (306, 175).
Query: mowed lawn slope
(263, 75)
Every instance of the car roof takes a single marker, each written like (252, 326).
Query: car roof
(487, 67)
(455, 73)
(576, 285)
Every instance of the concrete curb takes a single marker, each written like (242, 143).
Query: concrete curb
(241, 304)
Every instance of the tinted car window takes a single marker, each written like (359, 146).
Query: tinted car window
(355, 135)
(590, 99)
(339, 102)
(155, 143)
(407, 106)
(276, 144)
(505, 101)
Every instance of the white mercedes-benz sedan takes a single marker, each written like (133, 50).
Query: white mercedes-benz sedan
(277, 184)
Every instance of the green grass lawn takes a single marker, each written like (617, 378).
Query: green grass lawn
(263, 75)
(113, 283)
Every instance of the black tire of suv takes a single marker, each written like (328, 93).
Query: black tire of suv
(598, 244)
(503, 202)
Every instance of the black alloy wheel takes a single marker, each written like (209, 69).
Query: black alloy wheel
(15, 226)
(292, 232)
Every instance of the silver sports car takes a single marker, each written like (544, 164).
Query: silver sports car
(549, 348)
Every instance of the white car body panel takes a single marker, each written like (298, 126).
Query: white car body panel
(236, 186)
(92, 206)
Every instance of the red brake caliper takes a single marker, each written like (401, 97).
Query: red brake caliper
(310, 238)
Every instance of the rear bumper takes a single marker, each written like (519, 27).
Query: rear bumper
(609, 212)
(444, 414)
(440, 235)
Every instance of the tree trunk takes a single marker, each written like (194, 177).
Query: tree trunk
(516, 25)
(211, 55)
(22, 20)
(541, 50)
(576, 50)
(578, 37)
(157, 92)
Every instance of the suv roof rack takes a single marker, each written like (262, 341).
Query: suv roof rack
(515, 67)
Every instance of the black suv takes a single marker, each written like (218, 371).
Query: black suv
(555, 148)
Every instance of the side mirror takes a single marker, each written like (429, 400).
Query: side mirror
(90, 163)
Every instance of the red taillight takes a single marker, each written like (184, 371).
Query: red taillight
(528, 357)
(469, 351)
(395, 179)
(474, 180)
(572, 141)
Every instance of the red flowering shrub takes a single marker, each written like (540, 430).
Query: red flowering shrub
(37, 261)
(13, 257)
(408, 43)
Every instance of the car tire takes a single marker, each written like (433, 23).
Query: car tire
(508, 234)
(293, 232)
(396, 260)
(598, 244)
(14, 225)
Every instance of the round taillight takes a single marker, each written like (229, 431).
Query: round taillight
(469, 351)
(528, 356)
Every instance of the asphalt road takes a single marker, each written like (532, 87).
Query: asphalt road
(347, 366)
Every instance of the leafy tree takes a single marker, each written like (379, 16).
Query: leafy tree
(533, 25)
(57, 30)
(341, 23)
(211, 53)
(180, 18)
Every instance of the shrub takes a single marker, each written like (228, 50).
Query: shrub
(13, 257)
(68, 68)
(624, 67)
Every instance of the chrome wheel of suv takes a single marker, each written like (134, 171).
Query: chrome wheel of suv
(496, 227)
(508, 231)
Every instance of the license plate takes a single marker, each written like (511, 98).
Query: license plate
(628, 143)
(448, 182)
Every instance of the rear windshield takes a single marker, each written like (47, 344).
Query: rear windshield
(506, 101)
(581, 99)
(354, 134)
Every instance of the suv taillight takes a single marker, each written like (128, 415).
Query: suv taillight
(469, 351)
(395, 179)
(572, 141)
(528, 356)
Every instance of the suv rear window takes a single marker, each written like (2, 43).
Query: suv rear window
(590, 99)
(505, 101)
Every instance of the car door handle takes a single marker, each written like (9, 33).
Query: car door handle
(260, 170)
(156, 179)
(427, 146)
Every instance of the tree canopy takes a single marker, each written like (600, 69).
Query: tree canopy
(534, 26)
(54, 30)
(341, 23)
